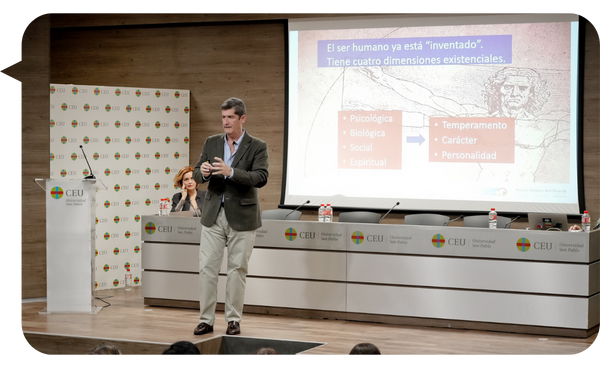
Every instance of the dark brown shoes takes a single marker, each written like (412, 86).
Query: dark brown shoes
(233, 328)
(204, 328)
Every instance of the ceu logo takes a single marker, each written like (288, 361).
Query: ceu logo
(148, 109)
(115, 282)
(96, 156)
(96, 91)
(137, 187)
(51, 156)
(117, 124)
(96, 123)
(157, 125)
(148, 171)
(128, 108)
(117, 92)
(63, 107)
(138, 124)
(150, 228)
(167, 140)
(147, 202)
(86, 107)
(74, 123)
(116, 251)
(117, 156)
(128, 171)
(523, 244)
(86, 172)
(127, 203)
(138, 93)
(86, 139)
(107, 172)
(177, 94)
(74, 156)
(127, 266)
(136, 280)
(117, 219)
(137, 218)
(137, 155)
(63, 140)
(357, 237)
(186, 140)
(107, 203)
(176, 155)
(106, 268)
(177, 125)
(52, 89)
(168, 109)
(186, 110)
(107, 107)
(107, 140)
(167, 170)
(117, 187)
(290, 234)
(106, 236)
(56, 192)
(157, 94)
(127, 234)
(438, 241)
(128, 140)
(74, 90)
(63, 173)
(52, 123)
(157, 155)
(136, 249)
(157, 186)
(148, 140)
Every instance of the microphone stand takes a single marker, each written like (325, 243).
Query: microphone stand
(511, 221)
(297, 208)
(449, 221)
(91, 176)
(397, 203)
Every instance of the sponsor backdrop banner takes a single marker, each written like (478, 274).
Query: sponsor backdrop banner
(136, 140)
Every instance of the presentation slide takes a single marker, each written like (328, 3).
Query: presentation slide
(439, 113)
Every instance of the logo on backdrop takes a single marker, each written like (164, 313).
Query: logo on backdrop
(523, 244)
(357, 237)
(290, 234)
(150, 228)
(438, 240)
(56, 192)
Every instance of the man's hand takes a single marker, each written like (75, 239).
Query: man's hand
(206, 169)
(220, 167)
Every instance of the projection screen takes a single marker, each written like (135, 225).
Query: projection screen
(440, 113)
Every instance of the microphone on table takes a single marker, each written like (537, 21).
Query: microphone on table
(511, 221)
(454, 219)
(91, 176)
(297, 208)
(397, 203)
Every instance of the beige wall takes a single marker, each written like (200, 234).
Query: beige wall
(244, 58)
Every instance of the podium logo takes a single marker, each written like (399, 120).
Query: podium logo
(150, 228)
(357, 237)
(438, 240)
(290, 234)
(56, 192)
(523, 244)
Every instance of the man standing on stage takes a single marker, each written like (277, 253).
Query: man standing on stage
(235, 164)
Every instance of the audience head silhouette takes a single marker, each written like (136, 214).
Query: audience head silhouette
(266, 351)
(182, 349)
(105, 351)
(365, 350)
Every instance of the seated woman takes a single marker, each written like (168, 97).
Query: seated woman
(189, 199)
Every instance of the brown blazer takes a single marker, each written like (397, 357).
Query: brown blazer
(250, 172)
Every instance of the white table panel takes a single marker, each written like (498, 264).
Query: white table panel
(550, 311)
(538, 277)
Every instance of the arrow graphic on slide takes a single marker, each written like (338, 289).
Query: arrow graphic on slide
(415, 139)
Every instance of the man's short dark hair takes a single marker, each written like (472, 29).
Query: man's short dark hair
(181, 348)
(234, 103)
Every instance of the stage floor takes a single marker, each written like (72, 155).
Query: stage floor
(139, 329)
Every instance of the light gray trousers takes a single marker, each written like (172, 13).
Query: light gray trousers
(212, 246)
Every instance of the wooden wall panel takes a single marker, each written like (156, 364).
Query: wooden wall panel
(34, 73)
(214, 62)
(244, 57)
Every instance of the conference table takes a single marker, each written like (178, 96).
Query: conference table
(541, 282)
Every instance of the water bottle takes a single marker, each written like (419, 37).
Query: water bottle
(328, 213)
(167, 209)
(128, 281)
(493, 218)
(321, 213)
(163, 207)
(585, 222)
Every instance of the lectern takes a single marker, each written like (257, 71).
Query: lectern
(70, 244)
